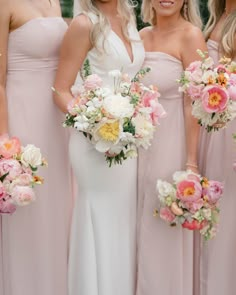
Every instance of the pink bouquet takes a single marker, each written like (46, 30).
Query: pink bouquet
(212, 90)
(18, 166)
(191, 201)
(117, 119)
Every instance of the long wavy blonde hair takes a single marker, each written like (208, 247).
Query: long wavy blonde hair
(125, 11)
(192, 13)
(227, 41)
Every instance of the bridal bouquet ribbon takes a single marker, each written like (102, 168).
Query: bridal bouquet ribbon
(18, 167)
(117, 119)
(191, 201)
(212, 90)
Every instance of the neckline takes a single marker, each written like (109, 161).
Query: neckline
(164, 53)
(35, 19)
(132, 60)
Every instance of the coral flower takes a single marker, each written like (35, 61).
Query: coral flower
(189, 191)
(215, 99)
(9, 146)
(194, 225)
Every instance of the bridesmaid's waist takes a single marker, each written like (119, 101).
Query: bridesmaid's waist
(32, 65)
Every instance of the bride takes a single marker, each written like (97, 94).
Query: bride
(103, 234)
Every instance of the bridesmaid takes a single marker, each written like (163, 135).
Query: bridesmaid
(218, 260)
(165, 260)
(35, 238)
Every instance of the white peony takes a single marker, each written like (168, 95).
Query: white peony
(31, 156)
(199, 113)
(143, 129)
(179, 176)
(118, 106)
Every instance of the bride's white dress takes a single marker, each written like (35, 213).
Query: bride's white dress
(103, 237)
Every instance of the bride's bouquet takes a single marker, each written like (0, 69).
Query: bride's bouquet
(212, 90)
(118, 119)
(191, 201)
(18, 167)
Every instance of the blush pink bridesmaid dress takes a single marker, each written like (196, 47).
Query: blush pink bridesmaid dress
(165, 254)
(35, 238)
(218, 259)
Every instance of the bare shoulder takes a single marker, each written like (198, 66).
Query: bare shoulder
(81, 24)
(145, 33)
(192, 34)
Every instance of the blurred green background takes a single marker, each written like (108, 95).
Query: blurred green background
(67, 6)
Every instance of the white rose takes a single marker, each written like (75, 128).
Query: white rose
(31, 156)
(118, 106)
(165, 189)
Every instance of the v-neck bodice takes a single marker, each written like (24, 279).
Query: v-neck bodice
(111, 53)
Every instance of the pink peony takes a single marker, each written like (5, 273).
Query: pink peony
(166, 214)
(92, 82)
(10, 166)
(213, 192)
(6, 206)
(194, 225)
(24, 179)
(9, 146)
(214, 99)
(2, 191)
(23, 195)
(189, 191)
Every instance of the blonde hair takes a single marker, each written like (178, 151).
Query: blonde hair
(227, 41)
(101, 27)
(192, 13)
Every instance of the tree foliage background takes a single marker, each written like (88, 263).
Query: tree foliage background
(67, 7)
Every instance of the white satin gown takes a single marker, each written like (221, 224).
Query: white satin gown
(103, 237)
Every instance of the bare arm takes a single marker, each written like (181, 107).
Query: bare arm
(4, 32)
(75, 47)
(192, 41)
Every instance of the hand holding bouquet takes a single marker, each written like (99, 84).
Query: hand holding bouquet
(118, 119)
(212, 90)
(191, 201)
(18, 167)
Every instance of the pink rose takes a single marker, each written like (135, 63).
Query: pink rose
(194, 66)
(195, 91)
(214, 99)
(193, 207)
(92, 82)
(166, 214)
(213, 192)
(6, 206)
(189, 191)
(10, 166)
(9, 146)
(23, 195)
(194, 225)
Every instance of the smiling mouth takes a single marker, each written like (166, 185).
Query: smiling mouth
(166, 4)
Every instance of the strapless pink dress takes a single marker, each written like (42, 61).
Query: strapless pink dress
(35, 238)
(218, 259)
(165, 254)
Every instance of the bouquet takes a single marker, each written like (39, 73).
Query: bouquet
(18, 167)
(212, 90)
(118, 119)
(191, 201)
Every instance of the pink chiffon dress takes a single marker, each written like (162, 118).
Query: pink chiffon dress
(35, 238)
(218, 259)
(165, 254)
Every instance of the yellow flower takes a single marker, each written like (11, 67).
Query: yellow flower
(110, 131)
